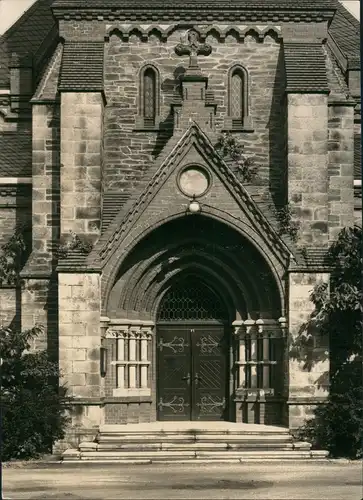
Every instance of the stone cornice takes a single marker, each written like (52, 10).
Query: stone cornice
(195, 14)
(124, 30)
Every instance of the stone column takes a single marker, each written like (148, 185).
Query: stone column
(129, 389)
(308, 383)
(307, 123)
(240, 368)
(252, 407)
(266, 359)
(341, 166)
(79, 334)
(81, 163)
(45, 178)
(39, 294)
(79, 353)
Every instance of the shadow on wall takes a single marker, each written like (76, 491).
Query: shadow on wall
(52, 305)
(310, 348)
(277, 126)
(171, 89)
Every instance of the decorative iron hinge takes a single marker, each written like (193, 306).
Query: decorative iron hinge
(208, 344)
(176, 345)
(176, 404)
(208, 404)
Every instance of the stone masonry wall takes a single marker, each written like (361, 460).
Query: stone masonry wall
(341, 168)
(79, 333)
(308, 165)
(39, 302)
(128, 152)
(15, 210)
(45, 194)
(7, 222)
(307, 385)
(35, 296)
(9, 310)
(81, 163)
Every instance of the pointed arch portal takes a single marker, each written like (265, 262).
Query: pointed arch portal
(215, 304)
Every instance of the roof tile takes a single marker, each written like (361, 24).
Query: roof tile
(195, 4)
(345, 30)
(317, 258)
(82, 66)
(15, 154)
(357, 157)
(112, 203)
(26, 36)
(305, 67)
(48, 85)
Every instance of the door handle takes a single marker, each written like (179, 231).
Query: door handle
(187, 378)
(197, 378)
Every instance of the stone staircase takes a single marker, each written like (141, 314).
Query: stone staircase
(191, 441)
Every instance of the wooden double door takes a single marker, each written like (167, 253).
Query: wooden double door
(192, 364)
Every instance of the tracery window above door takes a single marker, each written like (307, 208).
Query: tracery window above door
(191, 299)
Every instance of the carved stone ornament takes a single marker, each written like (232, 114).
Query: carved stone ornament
(193, 48)
(194, 181)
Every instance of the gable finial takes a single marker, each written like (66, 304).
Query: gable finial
(193, 48)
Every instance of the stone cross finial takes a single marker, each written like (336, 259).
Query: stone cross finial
(193, 48)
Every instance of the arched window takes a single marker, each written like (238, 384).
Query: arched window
(237, 97)
(149, 110)
(149, 95)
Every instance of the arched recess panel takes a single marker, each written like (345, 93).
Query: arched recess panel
(222, 247)
(205, 254)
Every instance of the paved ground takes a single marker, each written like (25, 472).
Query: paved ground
(292, 481)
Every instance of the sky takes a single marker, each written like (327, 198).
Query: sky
(11, 10)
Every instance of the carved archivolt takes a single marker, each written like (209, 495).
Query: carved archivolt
(220, 31)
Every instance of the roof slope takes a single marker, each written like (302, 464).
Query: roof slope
(219, 4)
(357, 157)
(15, 154)
(36, 28)
(32, 33)
(305, 67)
(345, 31)
(82, 66)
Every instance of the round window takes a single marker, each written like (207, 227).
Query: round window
(194, 181)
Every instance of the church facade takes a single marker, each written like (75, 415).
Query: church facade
(170, 283)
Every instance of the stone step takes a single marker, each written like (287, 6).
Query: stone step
(191, 426)
(185, 438)
(188, 446)
(191, 432)
(187, 456)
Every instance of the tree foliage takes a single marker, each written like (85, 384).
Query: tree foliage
(230, 149)
(287, 224)
(12, 255)
(338, 424)
(32, 403)
(75, 243)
